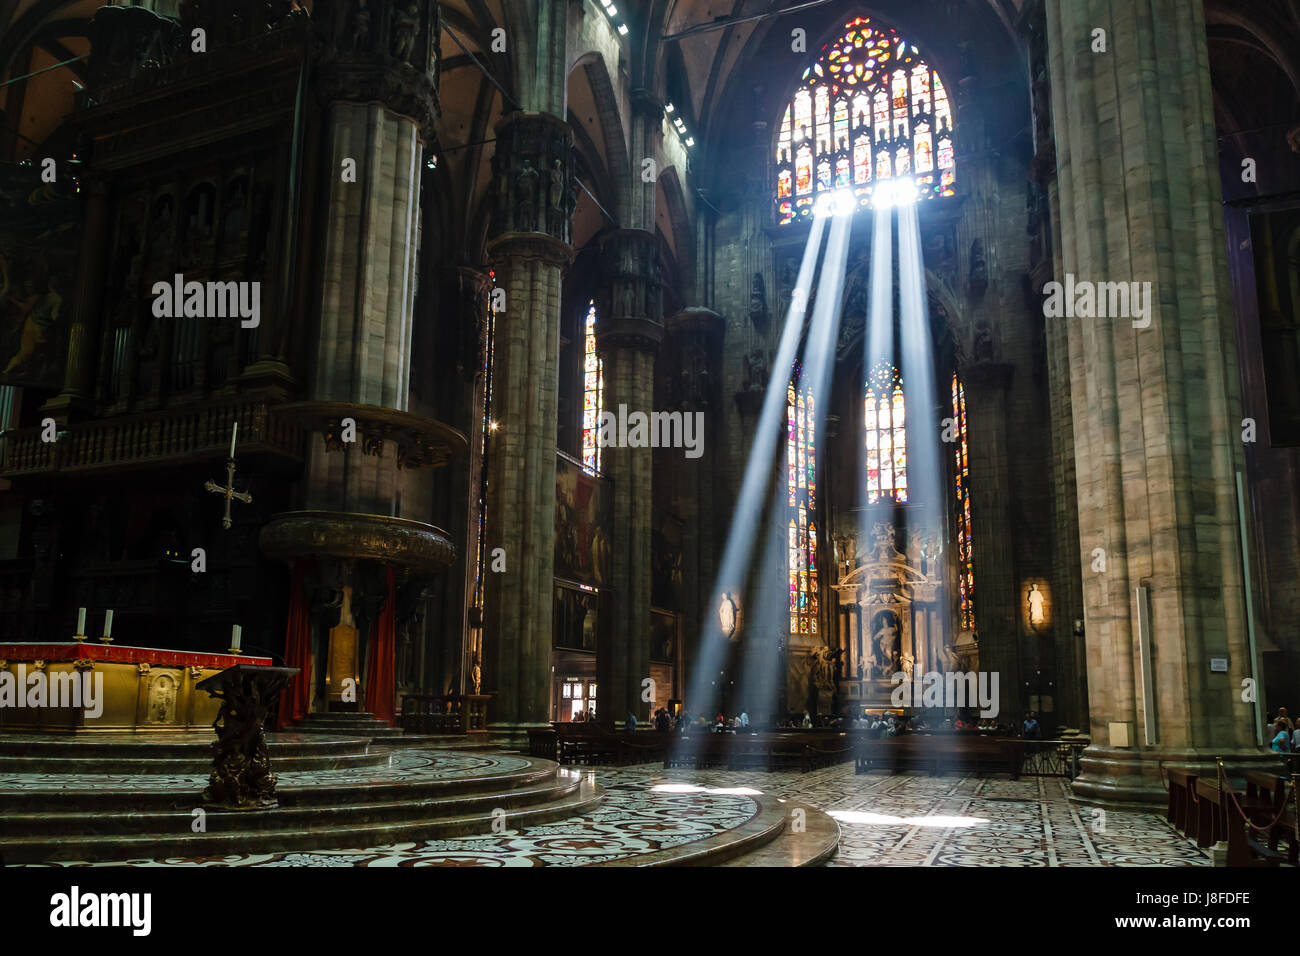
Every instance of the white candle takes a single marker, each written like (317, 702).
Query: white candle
(81, 620)
(235, 632)
(234, 433)
(108, 624)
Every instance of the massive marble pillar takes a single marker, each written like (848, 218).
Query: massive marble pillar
(1156, 412)
(375, 79)
(997, 588)
(628, 336)
(529, 249)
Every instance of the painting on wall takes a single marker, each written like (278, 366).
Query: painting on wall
(38, 244)
(581, 542)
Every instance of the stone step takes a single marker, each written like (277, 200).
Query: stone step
(338, 814)
(244, 840)
(129, 754)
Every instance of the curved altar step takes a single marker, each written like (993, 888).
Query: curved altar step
(173, 753)
(420, 795)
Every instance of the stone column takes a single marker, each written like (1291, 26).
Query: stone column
(628, 337)
(376, 78)
(996, 587)
(1156, 411)
(530, 249)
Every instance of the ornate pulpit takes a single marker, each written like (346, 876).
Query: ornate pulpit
(241, 768)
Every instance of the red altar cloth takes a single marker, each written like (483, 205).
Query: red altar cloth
(122, 654)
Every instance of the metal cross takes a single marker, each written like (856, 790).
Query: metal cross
(229, 491)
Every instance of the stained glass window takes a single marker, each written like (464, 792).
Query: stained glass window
(593, 394)
(487, 427)
(868, 109)
(965, 558)
(801, 483)
(886, 435)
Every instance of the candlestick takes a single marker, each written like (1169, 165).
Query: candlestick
(235, 633)
(108, 628)
(234, 432)
(81, 625)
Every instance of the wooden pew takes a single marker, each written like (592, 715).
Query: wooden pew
(940, 753)
(1182, 786)
(1211, 813)
(1270, 804)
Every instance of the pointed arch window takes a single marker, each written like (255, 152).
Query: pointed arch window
(885, 416)
(593, 394)
(801, 528)
(961, 470)
(867, 110)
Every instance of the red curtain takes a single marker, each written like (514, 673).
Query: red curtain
(295, 699)
(381, 689)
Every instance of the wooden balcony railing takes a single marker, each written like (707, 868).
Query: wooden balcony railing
(159, 437)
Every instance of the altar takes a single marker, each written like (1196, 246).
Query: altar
(80, 687)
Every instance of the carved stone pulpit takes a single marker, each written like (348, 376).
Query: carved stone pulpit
(241, 767)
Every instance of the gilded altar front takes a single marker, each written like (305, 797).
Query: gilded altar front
(118, 688)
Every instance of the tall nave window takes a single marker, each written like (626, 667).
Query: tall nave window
(886, 435)
(593, 394)
(801, 482)
(868, 111)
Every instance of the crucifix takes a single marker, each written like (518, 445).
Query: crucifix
(229, 489)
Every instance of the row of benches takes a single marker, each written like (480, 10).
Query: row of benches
(940, 753)
(589, 744)
(1204, 811)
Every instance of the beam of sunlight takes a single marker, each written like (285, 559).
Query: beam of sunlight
(866, 818)
(701, 697)
(760, 680)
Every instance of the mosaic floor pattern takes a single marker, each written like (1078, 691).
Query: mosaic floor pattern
(632, 821)
(907, 820)
(884, 819)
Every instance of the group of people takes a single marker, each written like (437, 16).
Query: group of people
(1284, 736)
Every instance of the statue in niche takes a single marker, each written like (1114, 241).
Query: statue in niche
(886, 645)
(162, 700)
(882, 537)
(756, 374)
(757, 298)
(846, 549)
(979, 267)
(982, 350)
(727, 615)
(525, 197)
(406, 26)
(361, 27)
(1037, 615)
(556, 192)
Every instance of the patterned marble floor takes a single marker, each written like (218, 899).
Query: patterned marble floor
(885, 820)
(906, 820)
(632, 821)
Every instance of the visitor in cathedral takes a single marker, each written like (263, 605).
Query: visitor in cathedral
(744, 719)
(807, 721)
(630, 723)
(1282, 739)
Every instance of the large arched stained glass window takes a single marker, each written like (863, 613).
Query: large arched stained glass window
(868, 110)
(801, 481)
(965, 561)
(886, 428)
(593, 394)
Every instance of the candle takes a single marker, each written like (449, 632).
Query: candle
(108, 624)
(235, 632)
(234, 433)
(81, 620)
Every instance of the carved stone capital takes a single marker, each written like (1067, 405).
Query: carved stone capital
(381, 51)
(535, 193)
(632, 299)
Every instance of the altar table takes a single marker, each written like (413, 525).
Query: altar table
(145, 689)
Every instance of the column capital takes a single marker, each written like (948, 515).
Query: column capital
(647, 104)
(385, 52)
(535, 190)
(629, 261)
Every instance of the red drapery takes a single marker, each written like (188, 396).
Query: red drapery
(295, 699)
(381, 690)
